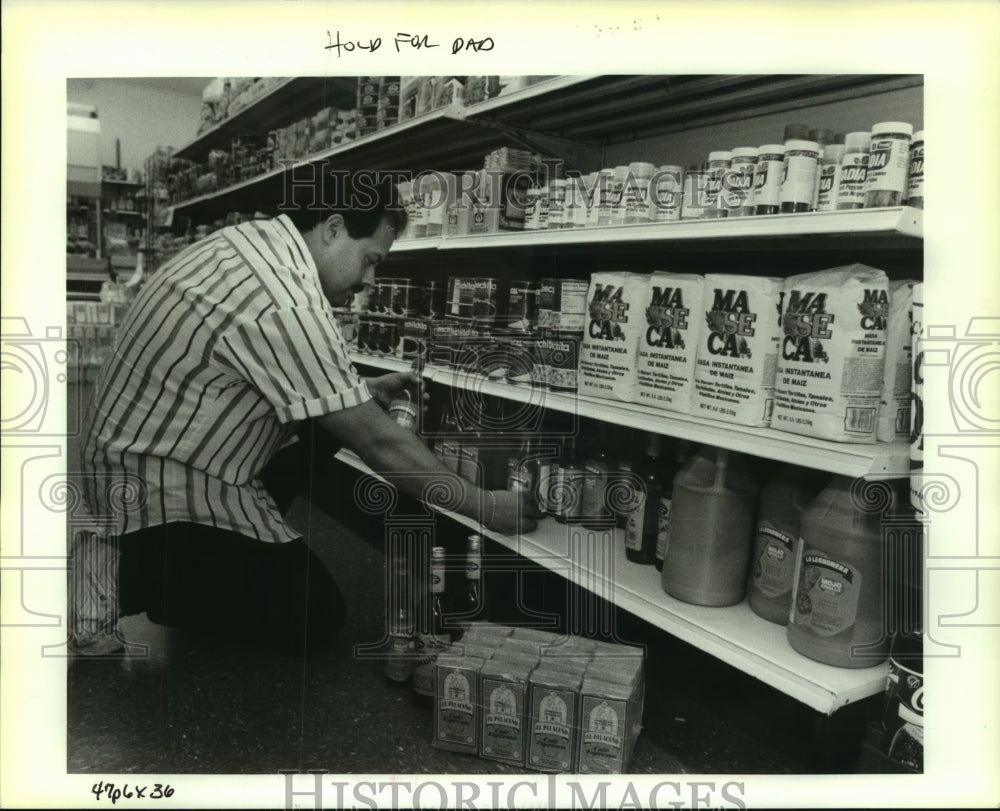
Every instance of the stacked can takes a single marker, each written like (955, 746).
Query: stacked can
(562, 308)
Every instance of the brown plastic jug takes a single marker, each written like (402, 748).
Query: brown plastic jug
(839, 601)
(711, 529)
(779, 516)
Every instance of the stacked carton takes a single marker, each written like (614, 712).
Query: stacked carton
(539, 700)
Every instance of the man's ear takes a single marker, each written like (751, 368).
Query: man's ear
(332, 226)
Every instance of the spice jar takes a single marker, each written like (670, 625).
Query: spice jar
(767, 179)
(738, 184)
(718, 166)
(888, 161)
(853, 171)
(798, 181)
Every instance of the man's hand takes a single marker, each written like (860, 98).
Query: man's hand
(388, 387)
(515, 512)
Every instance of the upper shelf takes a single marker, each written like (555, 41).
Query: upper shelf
(880, 460)
(899, 226)
(572, 117)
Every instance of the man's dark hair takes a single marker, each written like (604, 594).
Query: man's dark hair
(363, 198)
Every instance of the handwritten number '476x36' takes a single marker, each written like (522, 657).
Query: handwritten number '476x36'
(112, 792)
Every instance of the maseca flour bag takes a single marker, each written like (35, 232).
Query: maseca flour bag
(669, 342)
(737, 353)
(610, 348)
(894, 401)
(832, 353)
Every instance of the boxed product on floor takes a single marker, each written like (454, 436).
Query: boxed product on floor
(609, 353)
(553, 728)
(832, 359)
(738, 352)
(669, 343)
(458, 703)
(610, 712)
(504, 691)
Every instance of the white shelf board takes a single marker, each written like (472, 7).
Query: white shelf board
(880, 460)
(901, 221)
(733, 634)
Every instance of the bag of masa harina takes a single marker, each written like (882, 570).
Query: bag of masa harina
(832, 353)
(670, 338)
(738, 351)
(894, 401)
(610, 348)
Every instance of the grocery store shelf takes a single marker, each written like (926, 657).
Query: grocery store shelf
(130, 183)
(283, 104)
(596, 560)
(880, 460)
(897, 223)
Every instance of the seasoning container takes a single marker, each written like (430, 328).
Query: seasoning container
(829, 177)
(695, 193)
(434, 198)
(636, 192)
(888, 161)
(620, 177)
(666, 194)
(798, 182)
(824, 138)
(718, 166)
(605, 189)
(582, 197)
(459, 213)
(767, 179)
(738, 184)
(915, 176)
(853, 171)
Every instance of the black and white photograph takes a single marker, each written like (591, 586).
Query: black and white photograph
(551, 405)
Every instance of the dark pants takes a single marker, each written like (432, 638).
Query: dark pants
(217, 583)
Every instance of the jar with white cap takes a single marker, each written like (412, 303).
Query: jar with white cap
(767, 179)
(666, 193)
(798, 181)
(738, 184)
(602, 197)
(888, 161)
(636, 192)
(718, 165)
(586, 199)
(853, 171)
(616, 195)
(915, 177)
(557, 203)
(829, 177)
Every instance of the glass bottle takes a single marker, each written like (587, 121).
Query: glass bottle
(642, 529)
(431, 636)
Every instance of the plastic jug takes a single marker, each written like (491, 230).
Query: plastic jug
(711, 529)
(839, 601)
(779, 515)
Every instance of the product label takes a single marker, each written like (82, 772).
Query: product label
(601, 747)
(767, 182)
(853, 174)
(636, 521)
(663, 528)
(887, 164)
(915, 179)
(829, 183)
(774, 568)
(667, 318)
(552, 733)
(502, 720)
(798, 178)
(828, 592)
(665, 205)
(456, 709)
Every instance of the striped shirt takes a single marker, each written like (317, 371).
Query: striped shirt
(228, 346)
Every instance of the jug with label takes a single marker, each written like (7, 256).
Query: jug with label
(711, 529)
(779, 515)
(837, 599)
